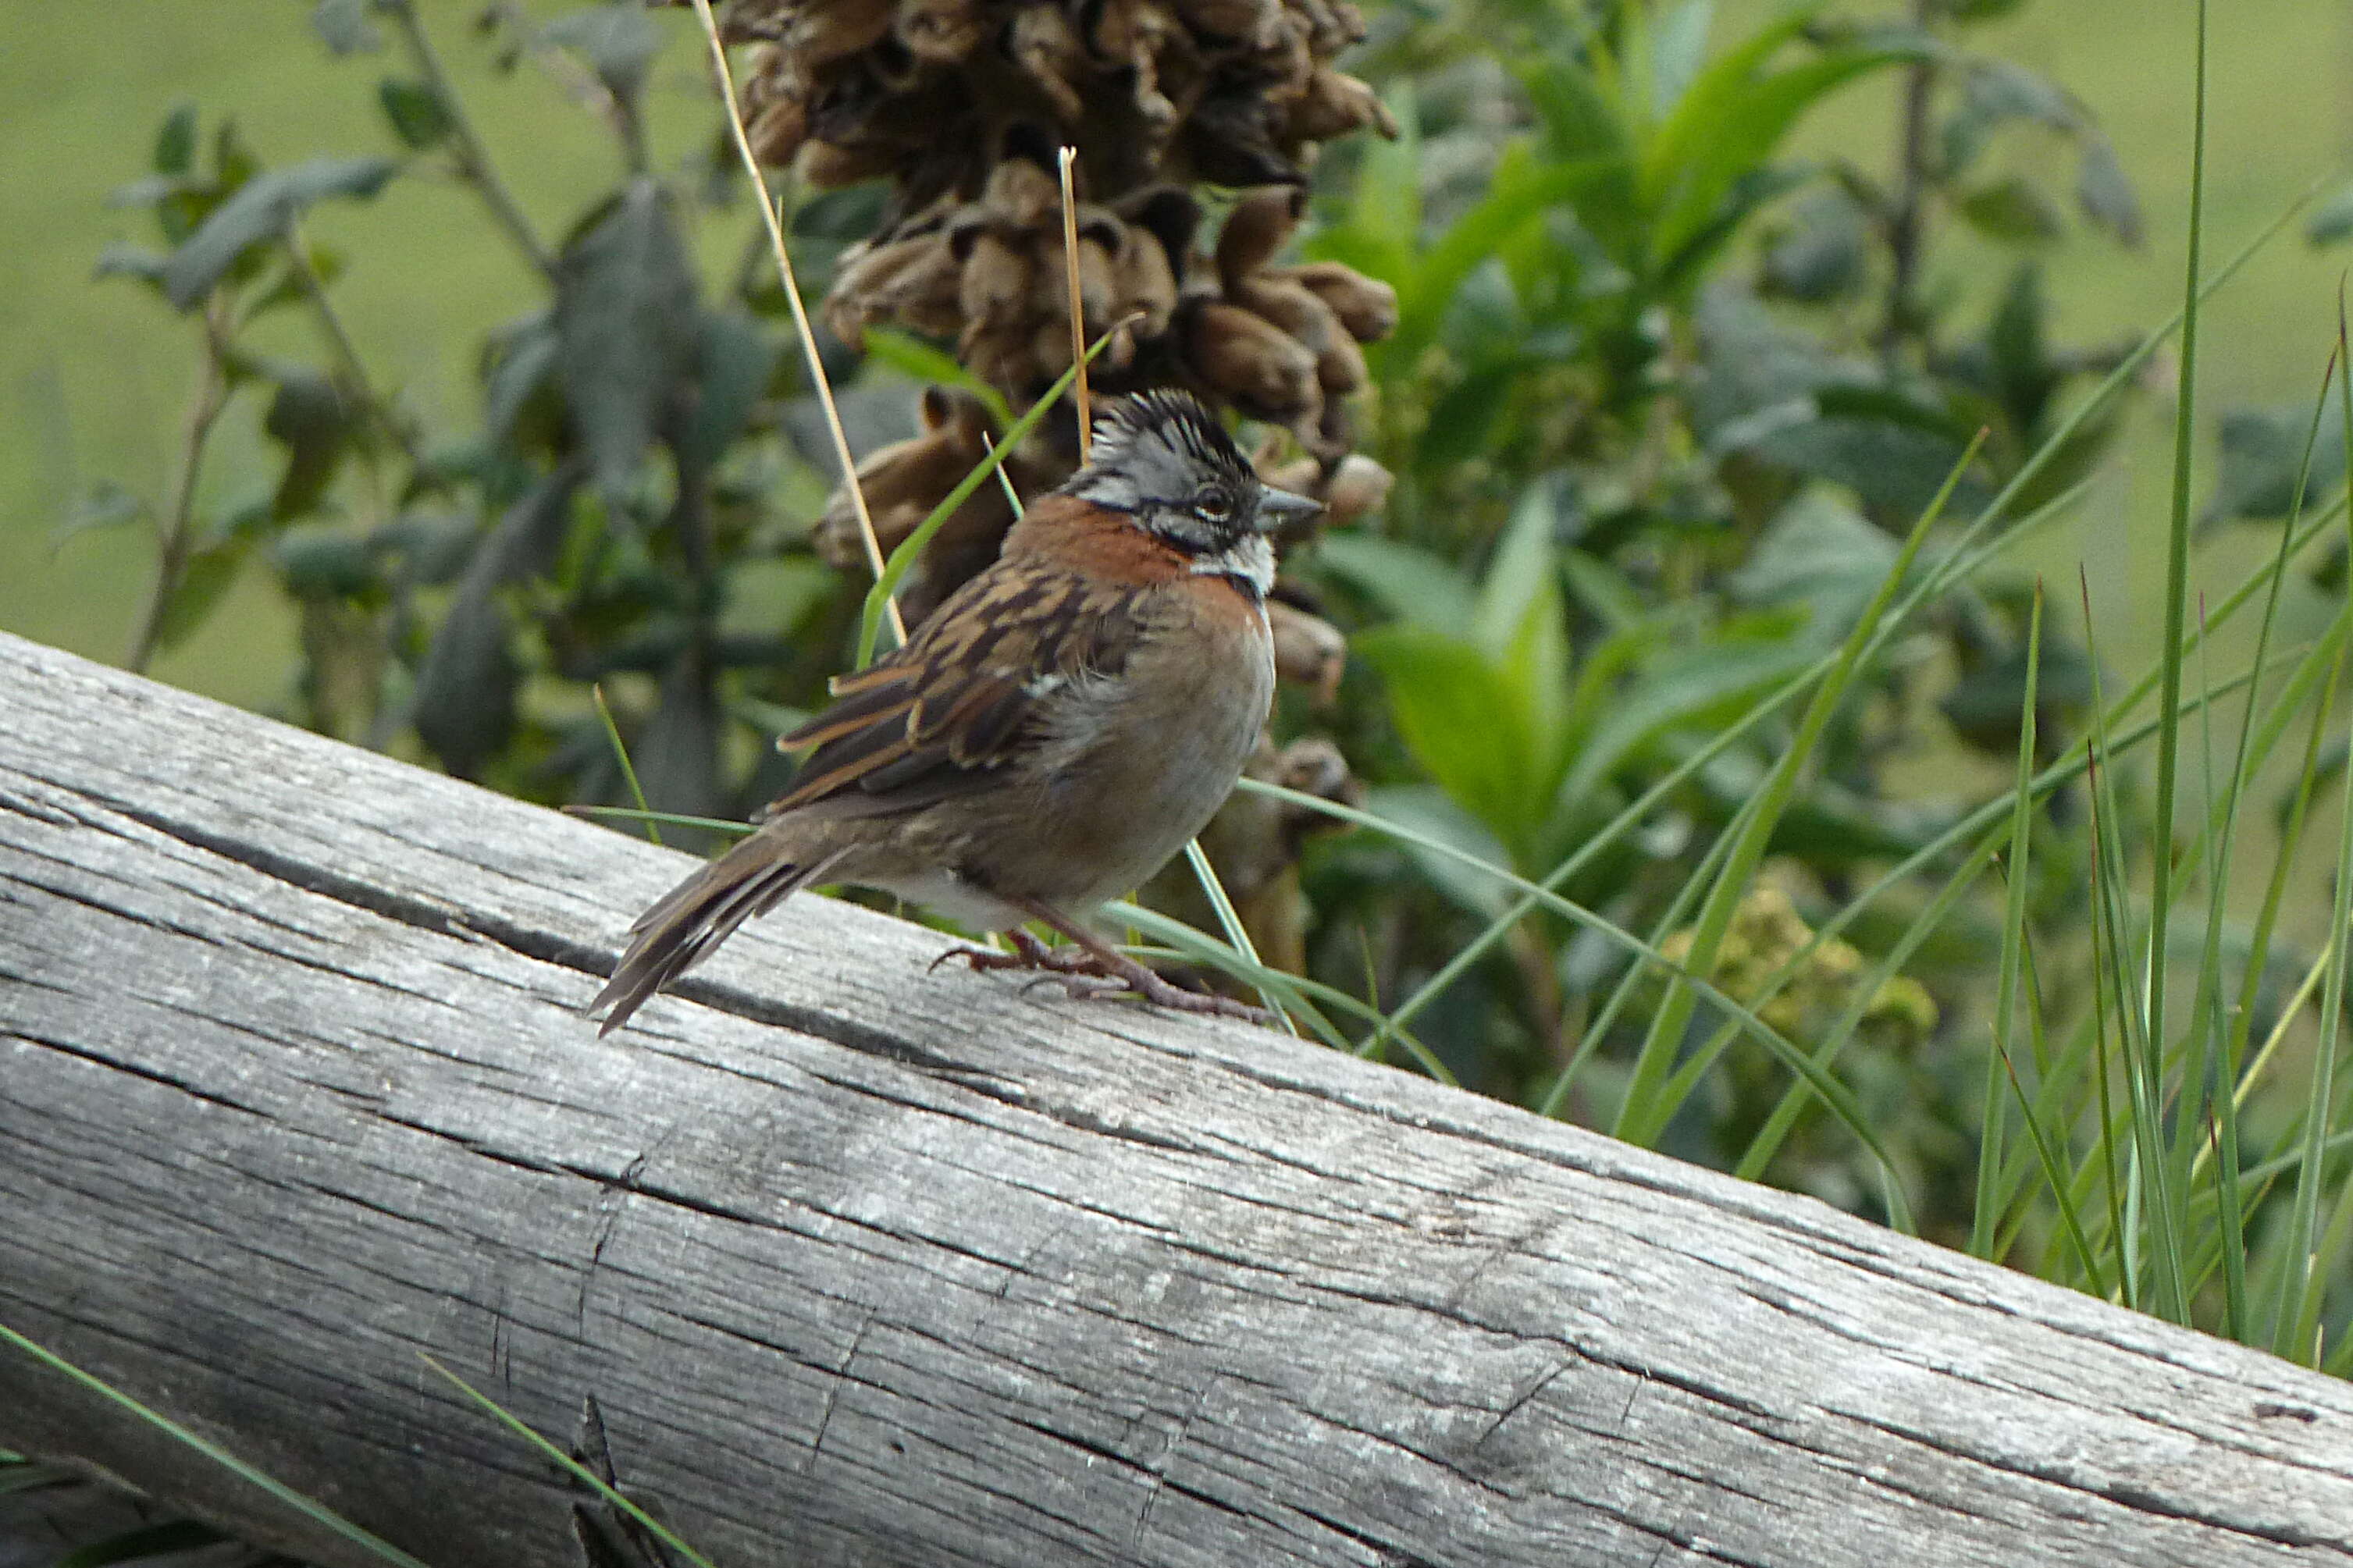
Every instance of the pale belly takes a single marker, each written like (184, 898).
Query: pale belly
(1135, 767)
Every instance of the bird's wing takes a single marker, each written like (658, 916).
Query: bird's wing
(959, 702)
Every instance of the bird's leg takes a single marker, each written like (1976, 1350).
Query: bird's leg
(1101, 961)
(1028, 953)
(1094, 967)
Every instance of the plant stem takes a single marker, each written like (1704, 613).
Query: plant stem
(171, 559)
(473, 158)
(1906, 223)
(347, 348)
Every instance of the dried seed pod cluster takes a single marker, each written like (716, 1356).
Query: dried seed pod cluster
(904, 481)
(963, 105)
(1230, 92)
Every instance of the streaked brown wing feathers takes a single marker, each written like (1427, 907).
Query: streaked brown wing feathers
(941, 713)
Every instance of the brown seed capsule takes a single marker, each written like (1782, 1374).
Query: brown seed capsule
(1366, 306)
(1332, 105)
(914, 281)
(904, 483)
(1260, 225)
(1309, 650)
(1250, 363)
(1042, 42)
(1357, 487)
(939, 32)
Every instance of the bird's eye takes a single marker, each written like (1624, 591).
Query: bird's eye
(1211, 504)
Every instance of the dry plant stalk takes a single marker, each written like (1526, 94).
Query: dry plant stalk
(793, 296)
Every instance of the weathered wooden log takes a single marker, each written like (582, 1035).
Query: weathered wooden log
(872, 1264)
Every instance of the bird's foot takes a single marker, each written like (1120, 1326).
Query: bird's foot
(1086, 975)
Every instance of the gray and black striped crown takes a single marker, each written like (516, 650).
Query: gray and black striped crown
(1156, 448)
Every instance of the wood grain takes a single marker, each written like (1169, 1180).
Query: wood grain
(869, 1263)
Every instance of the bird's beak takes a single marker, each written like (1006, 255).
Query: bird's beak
(1280, 510)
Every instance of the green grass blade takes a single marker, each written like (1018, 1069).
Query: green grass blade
(629, 770)
(1834, 1094)
(2224, 1038)
(2176, 608)
(1230, 920)
(316, 1512)
(637, 813)
(1644, 1112)
(2299, 1299)
(911, 548)
(579, 1471)
(2019, 864)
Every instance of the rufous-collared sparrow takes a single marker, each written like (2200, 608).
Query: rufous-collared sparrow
(1049, 737)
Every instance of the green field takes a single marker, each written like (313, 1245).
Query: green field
(97, 374)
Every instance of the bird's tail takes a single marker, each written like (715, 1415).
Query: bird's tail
(694, 918)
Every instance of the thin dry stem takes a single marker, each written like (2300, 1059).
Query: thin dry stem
(800, 313)
(1077, 314)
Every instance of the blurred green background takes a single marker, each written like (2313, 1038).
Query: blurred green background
(97, 374)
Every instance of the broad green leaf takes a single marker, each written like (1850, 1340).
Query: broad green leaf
(203, 578)
(2105, 191)
(175, 142)
(1417, 585)
(1742, 137)
(1517, 573)
(618, 42)
(1678, 48)
(466, 690)
(1821, 553)
(2332, 220)
(626, 328)
(345, 27)
(315, 421)
(1431, 814)
(1462, 719)
(2013, 210)
(260, 212)
(416, 112)
(1693, 688)
(735, 356)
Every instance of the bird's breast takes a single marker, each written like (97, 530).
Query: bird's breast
(1137, 762)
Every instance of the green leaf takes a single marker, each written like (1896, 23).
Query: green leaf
(175, 142)
(261, 211)
(920, 361)
(2263, 452)
(1429, 813)
(344, 26)
(626, 328)
(1823, 254)
(1820, 553)
(311, 418)
(123, 260)
(2331, 220)
(416, 112)
(325, 561)
(1678, 49)
(1463, 721)
(2013, 210)
(2105, 191)
(205, 578)
(733, 358)
(465, 705)
(1415, 584)
(618, 41)
(1695, 687)
(521, 377)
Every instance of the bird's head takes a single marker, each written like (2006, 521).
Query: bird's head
(1163, 459)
